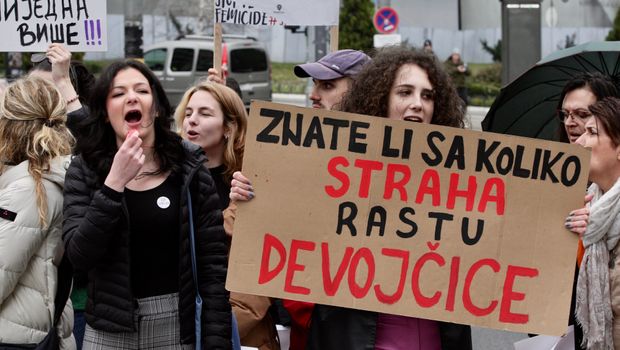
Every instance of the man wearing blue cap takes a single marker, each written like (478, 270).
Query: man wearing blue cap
(332, 76)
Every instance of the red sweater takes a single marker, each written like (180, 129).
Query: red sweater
(301, 314)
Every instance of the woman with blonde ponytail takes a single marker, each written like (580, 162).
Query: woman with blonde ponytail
(34, 148)
(212, 116)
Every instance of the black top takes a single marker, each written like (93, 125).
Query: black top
(222, 186)
(154, 239)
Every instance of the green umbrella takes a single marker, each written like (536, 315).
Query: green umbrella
(527, 106)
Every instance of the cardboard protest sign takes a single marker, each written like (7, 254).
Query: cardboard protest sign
(277, 12)
(408, 218)
(31, 25)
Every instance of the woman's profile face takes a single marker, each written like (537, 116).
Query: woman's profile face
(411, 96)
(605, 155)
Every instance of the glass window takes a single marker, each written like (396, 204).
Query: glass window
(155, 59)
(205, 60)
(182, 60)
(248, 60)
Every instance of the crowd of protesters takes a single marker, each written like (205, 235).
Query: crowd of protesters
(93, 174)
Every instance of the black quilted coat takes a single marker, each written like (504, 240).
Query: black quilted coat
(96, 235)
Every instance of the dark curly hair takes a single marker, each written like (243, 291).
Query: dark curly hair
(97, 141)
(370, 92)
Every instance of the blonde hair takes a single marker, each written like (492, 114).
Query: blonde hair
(235, 121)
(32, 127)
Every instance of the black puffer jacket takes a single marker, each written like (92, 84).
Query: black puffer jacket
(96, 235)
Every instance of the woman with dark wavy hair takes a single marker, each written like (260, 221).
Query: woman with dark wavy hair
(382, 89)
(403, 84)
(126, 222)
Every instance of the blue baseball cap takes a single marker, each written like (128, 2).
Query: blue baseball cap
(338, 64)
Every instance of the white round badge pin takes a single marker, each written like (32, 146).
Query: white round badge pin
(163, 202)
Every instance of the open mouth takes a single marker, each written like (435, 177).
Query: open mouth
(413, 119)
(192, 133)
(133, 117)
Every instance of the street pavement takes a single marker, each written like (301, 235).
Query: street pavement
(482, 338)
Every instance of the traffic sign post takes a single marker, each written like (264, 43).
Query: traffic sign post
(385, 20)
(381, 40)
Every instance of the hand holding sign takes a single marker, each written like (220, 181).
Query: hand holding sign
(577, 219)
(240, 188)
(63, 75)
(60, 58)
(216, 77)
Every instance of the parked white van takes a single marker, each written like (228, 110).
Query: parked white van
(181, 63)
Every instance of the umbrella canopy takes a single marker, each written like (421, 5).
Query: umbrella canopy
(527, 106)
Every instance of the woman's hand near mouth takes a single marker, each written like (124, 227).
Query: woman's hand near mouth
(127, 162)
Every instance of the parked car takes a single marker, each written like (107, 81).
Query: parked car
(180, 63)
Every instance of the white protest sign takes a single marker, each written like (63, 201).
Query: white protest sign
(31, 25)
(381, 40)
(277, 12)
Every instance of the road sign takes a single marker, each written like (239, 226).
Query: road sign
(385, 20)
(381, 40)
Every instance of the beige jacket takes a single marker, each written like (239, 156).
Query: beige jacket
(256, 327)
(28, 258)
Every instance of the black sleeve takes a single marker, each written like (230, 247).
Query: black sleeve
(336, 328)
(212, 257)
(455, 336)
(74, 119)
(89, 224)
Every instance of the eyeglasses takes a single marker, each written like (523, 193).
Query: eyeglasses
(580, 115)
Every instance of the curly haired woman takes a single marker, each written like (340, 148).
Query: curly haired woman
(409, 85)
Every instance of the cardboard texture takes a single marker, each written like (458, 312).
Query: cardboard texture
(359, 212)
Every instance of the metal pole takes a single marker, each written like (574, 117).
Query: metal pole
(383, 3)
(133, 28)
(202, 17)
(459, 14)
(320, 42)
(7, 68)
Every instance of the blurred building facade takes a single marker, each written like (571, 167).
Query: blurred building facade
(448, 23)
